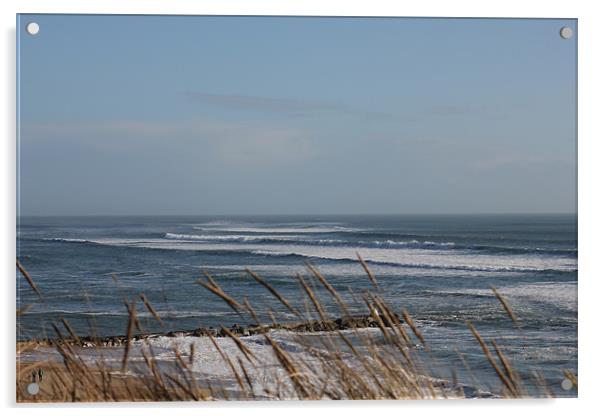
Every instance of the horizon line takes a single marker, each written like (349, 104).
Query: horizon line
(299, 214)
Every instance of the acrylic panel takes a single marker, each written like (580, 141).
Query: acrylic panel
(274, 208)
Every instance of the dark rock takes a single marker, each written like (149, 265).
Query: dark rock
(341, 323)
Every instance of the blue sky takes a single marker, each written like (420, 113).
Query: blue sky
(252, 115)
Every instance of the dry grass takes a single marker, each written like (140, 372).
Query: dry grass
(350, 364)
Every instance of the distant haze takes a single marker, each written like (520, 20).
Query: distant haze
(235, 115)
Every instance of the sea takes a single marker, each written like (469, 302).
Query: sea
(440, 268)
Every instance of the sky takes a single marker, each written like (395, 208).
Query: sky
(150, 115)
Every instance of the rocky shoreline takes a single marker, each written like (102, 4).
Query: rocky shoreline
(349, 322)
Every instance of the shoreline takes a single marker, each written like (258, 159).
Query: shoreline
(309, 326)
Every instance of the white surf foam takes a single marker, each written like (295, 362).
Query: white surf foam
(415, 258)
(242, 238)
(561, 294)
(283, 229)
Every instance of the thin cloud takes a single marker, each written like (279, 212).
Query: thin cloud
(239, 143)
(289, 106)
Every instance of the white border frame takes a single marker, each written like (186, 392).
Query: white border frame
(589, 195)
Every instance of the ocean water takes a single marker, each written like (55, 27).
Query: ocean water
(440, 268)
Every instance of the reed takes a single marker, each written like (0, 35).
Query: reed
(381, 363)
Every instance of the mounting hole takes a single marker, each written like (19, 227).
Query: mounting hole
(566, 32)
(33, 389)
(566, 384)
(32, 28)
